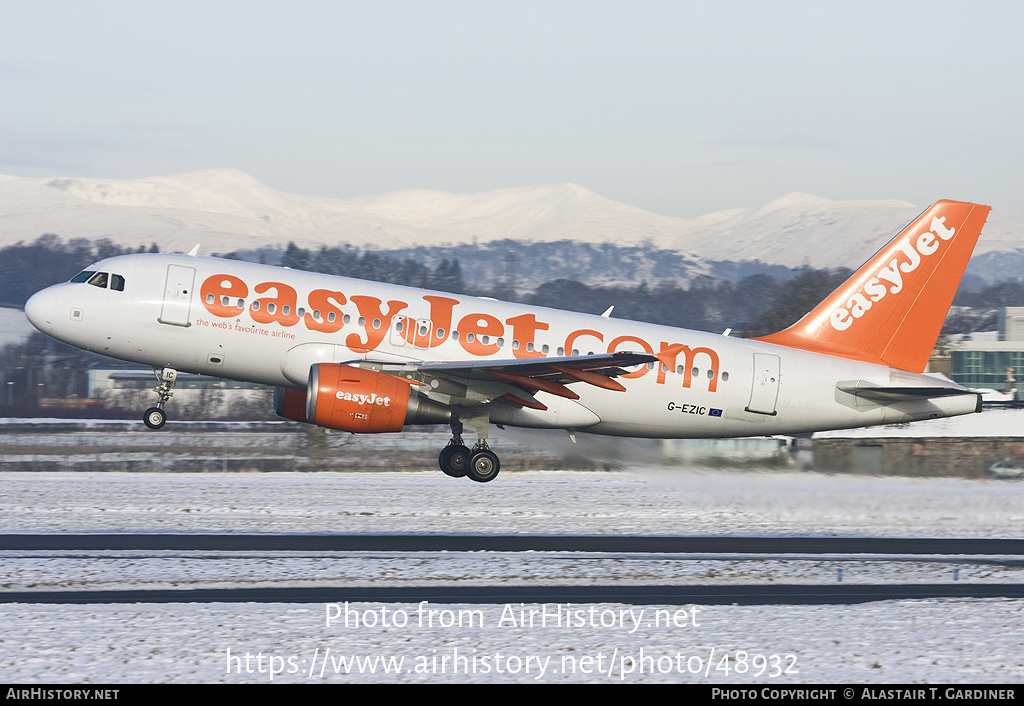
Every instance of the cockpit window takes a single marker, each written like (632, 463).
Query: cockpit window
(100, 279)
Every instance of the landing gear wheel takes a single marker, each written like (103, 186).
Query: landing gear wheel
(483, 466)
(154, 418)
(454, 460)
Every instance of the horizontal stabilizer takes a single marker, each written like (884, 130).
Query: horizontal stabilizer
(891, 395)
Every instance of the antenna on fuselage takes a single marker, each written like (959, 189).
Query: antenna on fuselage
(194, 251)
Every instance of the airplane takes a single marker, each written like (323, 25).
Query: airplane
(366, 357)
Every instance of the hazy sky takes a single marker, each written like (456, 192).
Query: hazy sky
(680, 108)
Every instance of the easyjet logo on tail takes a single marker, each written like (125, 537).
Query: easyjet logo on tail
(909, 283)
(889, 279)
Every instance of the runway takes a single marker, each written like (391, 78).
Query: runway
(437, 542)
(162, 577)
(793, 594)
(542, 548)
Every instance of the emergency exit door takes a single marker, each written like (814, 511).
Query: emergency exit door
(764, 391)
(177, 295)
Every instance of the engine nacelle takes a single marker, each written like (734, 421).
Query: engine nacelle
(365, 401)
(290, 404)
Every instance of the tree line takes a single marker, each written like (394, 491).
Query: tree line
(27, 268)
(757, 304)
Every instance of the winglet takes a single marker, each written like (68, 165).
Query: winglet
(892, 309)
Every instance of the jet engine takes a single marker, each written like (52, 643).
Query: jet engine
(290, 404)
(365, 401)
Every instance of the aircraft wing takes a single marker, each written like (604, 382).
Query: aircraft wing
(516, 380)
(608, 365)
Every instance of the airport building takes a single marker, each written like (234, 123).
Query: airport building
(130, 387)
(993, 361)
(969, 446)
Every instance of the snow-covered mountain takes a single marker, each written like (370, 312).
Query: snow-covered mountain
(228, 210)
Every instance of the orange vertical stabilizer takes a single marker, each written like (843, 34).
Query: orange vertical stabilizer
(892, 309)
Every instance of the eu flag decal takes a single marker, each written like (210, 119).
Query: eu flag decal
(712, 412)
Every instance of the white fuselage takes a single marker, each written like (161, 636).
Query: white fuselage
(197, 314)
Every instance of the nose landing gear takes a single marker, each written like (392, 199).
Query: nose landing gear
(155, 417)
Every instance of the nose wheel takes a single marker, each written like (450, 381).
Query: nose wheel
(155, 417)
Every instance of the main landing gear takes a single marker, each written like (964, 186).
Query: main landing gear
(457, 460)
(155, 417)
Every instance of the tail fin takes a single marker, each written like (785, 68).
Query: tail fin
(892, 309)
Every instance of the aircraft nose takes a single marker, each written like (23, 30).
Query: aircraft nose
(39, 309)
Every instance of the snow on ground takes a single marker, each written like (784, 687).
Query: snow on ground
(645, 501)
(229, 210)
(937, 641)
(947, 640)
